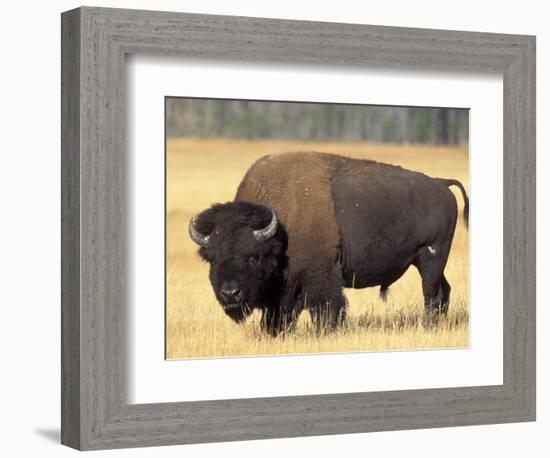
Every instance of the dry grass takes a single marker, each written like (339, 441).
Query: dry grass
(201, 172)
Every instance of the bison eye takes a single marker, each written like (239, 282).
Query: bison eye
(253, 260)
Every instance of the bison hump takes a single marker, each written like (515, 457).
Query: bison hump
(297, 186)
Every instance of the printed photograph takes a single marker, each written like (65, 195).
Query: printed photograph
(305, 228)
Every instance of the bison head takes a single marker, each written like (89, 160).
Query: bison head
(245, 246)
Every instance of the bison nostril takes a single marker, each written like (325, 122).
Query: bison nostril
(231, 293)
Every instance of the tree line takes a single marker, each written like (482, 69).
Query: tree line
(315, 121)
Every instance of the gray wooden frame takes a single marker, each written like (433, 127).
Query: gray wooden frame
(95, 41)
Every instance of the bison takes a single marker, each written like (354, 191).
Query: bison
(303, 226)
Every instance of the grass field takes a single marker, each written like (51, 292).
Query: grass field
(201, 172)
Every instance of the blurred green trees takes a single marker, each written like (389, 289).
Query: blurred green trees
(315, 121)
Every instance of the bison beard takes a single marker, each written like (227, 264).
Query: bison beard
(305, 225)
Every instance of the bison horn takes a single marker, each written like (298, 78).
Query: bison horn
(196, 236)
(267, 232)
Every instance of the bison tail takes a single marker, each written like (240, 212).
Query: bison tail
(451, 182)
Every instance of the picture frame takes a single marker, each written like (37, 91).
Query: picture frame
(95, 410)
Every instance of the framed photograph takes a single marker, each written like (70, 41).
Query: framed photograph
(291, 284)
(277, 228)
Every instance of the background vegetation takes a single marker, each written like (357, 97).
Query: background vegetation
(212, 118)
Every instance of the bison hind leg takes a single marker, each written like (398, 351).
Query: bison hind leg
(437, 305)
(444, 294)
(431, 261)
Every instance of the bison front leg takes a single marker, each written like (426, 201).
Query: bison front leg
(329, 315)
(274, 322)
(325, 301)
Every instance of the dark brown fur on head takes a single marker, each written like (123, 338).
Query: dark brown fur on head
(238, 261)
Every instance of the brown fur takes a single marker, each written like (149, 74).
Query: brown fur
(305, 208)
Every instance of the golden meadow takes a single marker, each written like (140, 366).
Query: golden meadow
(201, 172)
